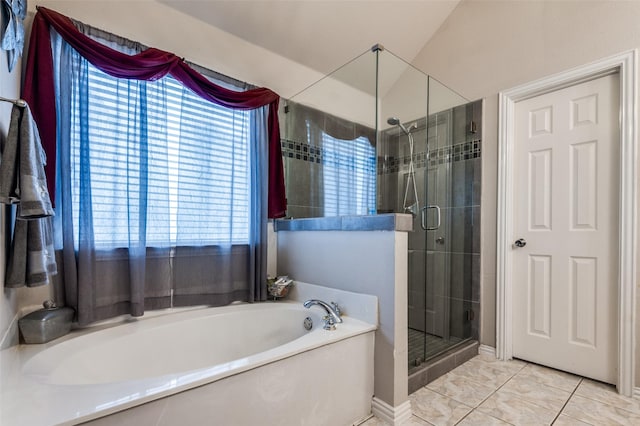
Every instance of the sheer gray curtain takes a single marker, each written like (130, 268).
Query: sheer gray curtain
(161, 196)
(233, 262)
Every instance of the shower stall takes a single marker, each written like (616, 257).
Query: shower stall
(380, 136)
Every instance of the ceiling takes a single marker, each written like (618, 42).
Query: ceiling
(324, 34)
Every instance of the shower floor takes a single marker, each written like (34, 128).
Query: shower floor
(424, 346)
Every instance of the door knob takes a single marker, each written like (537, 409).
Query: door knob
(520, 242)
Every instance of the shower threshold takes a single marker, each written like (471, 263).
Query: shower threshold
(424, 346)
(441, 364)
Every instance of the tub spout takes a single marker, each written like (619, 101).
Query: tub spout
(333, 312)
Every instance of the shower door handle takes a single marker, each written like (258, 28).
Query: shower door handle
(423, 218)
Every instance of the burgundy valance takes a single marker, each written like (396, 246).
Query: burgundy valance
(151, 64)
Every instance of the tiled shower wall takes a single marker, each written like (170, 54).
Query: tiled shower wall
(444, 264)
(305, 157)
(303, 176)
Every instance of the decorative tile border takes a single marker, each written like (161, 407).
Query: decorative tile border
(449, 154)
(328, 157)
(301, 151)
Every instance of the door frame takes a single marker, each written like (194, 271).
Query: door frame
(626, 65)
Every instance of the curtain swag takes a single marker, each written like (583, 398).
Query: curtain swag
(151, 64)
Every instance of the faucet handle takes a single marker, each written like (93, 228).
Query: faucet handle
(329, 322)
(336, 308)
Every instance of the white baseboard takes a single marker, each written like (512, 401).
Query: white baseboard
(391, 415)
(636, 392)
(487, 350)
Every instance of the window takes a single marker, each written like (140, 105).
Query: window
(349, 176)
(165, 166)
(161, 197)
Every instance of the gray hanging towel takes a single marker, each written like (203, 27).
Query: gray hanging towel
(22, 181)
(22, 178)
(32, 257)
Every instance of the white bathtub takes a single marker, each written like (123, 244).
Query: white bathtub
(237, 365)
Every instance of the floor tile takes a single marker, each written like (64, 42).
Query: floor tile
(551, 377)
(517, 393)
(476, 418)
(416, 421)
(373, 421)
(461, 389)
(437, 409)
(413, 421)
(513, 365)
(482, 373)
(607, 394)
(528, 388)
(597, 413)
(517, 411)
(563, 420)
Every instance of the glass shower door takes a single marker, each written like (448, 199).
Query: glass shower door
(430, 298)
(440, 311)
(436, 232)
(452, 183)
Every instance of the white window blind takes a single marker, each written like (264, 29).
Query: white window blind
(166, 166)
(349, 173)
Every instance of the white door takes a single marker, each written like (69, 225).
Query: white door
(566, 215)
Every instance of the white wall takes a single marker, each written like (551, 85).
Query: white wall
(488, 46)
(9, 88)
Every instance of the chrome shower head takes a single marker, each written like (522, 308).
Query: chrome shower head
(396, 122)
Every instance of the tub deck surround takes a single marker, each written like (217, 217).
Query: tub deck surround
(377, 222)
(89, 374)
(363, 307)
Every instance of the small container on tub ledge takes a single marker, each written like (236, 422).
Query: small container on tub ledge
(46, 324)
(279, 287)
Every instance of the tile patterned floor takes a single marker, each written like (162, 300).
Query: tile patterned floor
(486, 391)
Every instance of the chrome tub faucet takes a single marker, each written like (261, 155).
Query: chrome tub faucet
(333, 312)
